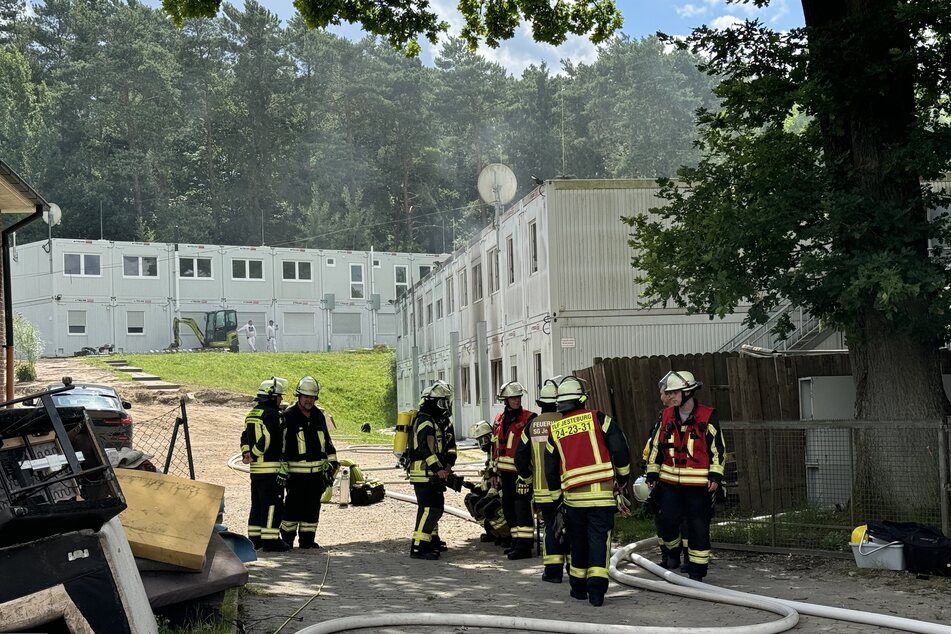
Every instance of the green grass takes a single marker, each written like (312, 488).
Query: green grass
(356, 387)
(639, 525)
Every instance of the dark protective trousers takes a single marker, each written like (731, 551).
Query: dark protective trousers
(690, 504)
(518, 512)
(430, 502)
(589, 536)
(267, 508)
(553, 552)
(302, 507)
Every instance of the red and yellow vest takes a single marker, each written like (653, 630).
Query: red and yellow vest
(505, 447)
(585, 459)
(686, 448)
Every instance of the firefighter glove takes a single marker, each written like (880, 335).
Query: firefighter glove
(282, 475)
(523, 486)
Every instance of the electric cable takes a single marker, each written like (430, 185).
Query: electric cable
(316, 594)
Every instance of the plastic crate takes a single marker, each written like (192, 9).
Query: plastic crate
(875, 553)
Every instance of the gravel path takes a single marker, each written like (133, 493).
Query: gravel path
(364, 568)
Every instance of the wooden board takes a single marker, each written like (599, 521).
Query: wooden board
(169, 519)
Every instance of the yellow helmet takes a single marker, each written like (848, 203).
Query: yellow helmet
(308, 386)
(274, 386)
(511, 389)
(571, 393)
(549, 392)
(859, 534)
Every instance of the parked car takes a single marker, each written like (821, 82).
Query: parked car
(111, 420)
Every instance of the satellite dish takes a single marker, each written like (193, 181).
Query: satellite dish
(54, 216)
(497, 184)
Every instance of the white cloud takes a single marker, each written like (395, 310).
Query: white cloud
(782, 10)
(691, 10)
(726, 21)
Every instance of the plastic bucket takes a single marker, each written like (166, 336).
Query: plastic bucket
(875, 553)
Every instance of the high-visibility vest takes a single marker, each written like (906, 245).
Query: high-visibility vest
(585, 458)
(506, 446)
(537, 432)
(686, 448)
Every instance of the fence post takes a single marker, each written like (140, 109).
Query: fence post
(772, 490)
(188, 441)
(943, 477)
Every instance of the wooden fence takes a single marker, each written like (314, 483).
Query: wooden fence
(740, 388)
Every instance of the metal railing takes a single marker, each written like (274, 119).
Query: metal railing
(807, 327)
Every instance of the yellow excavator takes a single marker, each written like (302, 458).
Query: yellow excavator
(221, 331)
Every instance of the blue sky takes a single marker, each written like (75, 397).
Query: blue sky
(641, 17)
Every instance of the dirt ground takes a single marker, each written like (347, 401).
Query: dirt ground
(364, 568)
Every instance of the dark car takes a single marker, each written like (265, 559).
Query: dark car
(111, 421)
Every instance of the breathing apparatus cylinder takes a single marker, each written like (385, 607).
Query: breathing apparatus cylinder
(404, 423)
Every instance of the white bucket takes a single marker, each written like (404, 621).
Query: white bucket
(876, 553)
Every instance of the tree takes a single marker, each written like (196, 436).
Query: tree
(28, 345)
(836, 215)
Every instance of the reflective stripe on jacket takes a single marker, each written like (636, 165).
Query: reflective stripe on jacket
(263, 438)
(691, 452)
(530, 456)
(307, 444)
(433, 449)
(507, 436)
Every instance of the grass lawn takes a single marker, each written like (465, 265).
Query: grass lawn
(356, 387)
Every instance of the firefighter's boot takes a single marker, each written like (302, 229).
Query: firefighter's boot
(422, 551)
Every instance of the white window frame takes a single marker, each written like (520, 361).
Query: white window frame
(70, 326)
(510, 255)
(463, 288)
(396, 284)
(128, 327)
(377, 264)
(82, 264)
(140, 260)
(494, 281)
(428, 267)
(195, 276)
(533, 247)
(361, 283)
(450, 298)
(247, 270)
(478, 292)
(331, 262)
(297, 267)
(438, 309)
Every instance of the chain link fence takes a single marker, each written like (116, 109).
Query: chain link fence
(806, 485)
(166, 438)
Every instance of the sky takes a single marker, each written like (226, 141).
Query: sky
(641, 18)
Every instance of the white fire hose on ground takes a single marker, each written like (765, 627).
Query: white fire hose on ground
(671, 583)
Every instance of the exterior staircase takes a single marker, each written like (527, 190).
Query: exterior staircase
(808, 333)
(149, 381)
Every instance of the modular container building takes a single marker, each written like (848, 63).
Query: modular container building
(541, 293)
(89, 293)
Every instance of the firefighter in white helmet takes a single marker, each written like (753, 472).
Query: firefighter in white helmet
(516, 492)
(261, 449)
(653, 494)
(687, 456)
(432, 454)
(530, 462)
(311, 463)
(588, 455)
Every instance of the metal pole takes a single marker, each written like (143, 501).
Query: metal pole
(100, 220)
(772, 492)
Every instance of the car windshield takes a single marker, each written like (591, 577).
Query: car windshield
(89, 401)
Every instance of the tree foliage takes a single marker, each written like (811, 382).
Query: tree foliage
(836, 213)
(240, 130)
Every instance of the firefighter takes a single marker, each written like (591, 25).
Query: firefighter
(588, 455)
(530, 462)
(261, 448)
(311, 465)
(516, 494)
(656, 493)
(432, 454)
(687, 458)
(483, 500)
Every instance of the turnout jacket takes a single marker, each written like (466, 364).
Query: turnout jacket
(263, 437)
(687, 452)
(506, 433)
(307, 444)
(586, 455)
(433, 446)
(530, 457)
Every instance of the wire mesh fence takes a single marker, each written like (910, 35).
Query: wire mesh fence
(808, 484)
(166, 438)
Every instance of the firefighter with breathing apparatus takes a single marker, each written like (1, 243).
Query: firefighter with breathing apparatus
(431, 455)
(483, 501)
